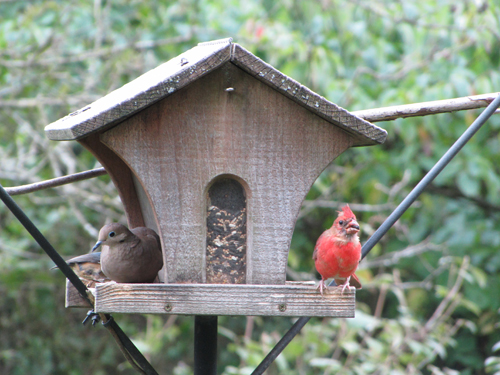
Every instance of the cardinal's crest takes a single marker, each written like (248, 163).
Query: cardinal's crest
(346, 212)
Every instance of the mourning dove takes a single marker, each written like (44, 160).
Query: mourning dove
(88, 267)
(129, 256)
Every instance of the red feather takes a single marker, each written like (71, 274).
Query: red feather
(338, 251)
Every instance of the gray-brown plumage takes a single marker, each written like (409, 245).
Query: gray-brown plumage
(88, 267)
(129, 256)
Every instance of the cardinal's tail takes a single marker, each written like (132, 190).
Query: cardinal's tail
(355, 281)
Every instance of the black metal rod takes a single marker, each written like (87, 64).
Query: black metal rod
(281, 345)
(140, 360)
(205, 345)
(44, 244)
(389, 222)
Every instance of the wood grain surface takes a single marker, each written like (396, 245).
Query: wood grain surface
(291, 299)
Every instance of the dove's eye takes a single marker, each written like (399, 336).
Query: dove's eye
(341, 222)
(112, 234)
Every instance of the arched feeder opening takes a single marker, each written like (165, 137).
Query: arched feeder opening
(226, 257)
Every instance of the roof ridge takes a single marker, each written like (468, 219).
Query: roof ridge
(187, 67)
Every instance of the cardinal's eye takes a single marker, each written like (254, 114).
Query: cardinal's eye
(341, 222)
(112, 234)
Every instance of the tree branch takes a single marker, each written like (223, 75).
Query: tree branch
(354, 206)
(454, 193)
(426, 108)
(392, 258)
(43, 101)
(449, 297)
(24, 189)
(96, 53)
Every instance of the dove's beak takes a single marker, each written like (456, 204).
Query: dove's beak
(96, 246)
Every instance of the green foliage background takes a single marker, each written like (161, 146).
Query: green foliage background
(431, 287)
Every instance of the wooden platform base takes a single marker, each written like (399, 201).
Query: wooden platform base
(291, 299)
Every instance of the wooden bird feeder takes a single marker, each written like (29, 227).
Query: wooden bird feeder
(216, 150)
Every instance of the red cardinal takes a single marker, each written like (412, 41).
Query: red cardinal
(337, 252)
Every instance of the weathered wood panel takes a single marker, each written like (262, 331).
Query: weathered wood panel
(73, 297)
(121, 176)
(147, 89)
(362, 131)
(292, 299)
(276, 147)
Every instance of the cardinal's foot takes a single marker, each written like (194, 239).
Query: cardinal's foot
(345, 285)
(322, 286)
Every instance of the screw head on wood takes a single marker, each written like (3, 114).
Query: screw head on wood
(282, 307)
(168, 307)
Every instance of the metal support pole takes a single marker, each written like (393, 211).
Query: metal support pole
(205, 345)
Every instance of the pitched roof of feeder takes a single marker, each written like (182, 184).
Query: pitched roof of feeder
(178, 72)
